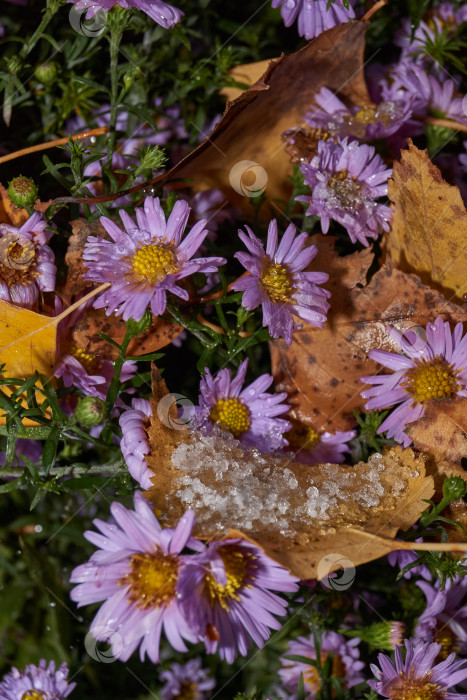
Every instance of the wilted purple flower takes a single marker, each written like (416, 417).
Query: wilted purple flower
(444, 619)
(345, 663)
(137, 573)
(161, 12)
(135, 442)
(416, 676)
(88, 373)
(228, 595)
(346, 179)
(26, 262)
(365, 122)
(313, 447)
(41, 682)
(250, 414)
(313, 15)
(428, 370)
(277, 281)
(189, 680)
(146, 261)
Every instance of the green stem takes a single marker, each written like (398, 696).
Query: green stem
(116, 33)
(51, 10)
(115, 383)
(114, 468)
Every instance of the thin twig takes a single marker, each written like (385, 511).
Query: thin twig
(377, 6)
(51, 144)
(446, 123)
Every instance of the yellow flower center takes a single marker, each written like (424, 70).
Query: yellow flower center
(365, 115)
(152, 263)
(238, 569)
(152, 579)
(277, 283)
(301, 436)
(434, 379)
(91, 363)
(231, 415)
(449, 643)
(32, 695)
(17, 261)
(188, 691)
(311, 676)
(417, 689)
(346, 189)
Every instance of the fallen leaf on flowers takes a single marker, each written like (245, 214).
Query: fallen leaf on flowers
(299, 515)
(247, 74)
(321, 369)
(251, 127)
(429, 230)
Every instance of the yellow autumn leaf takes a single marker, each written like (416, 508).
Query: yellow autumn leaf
(429, 230)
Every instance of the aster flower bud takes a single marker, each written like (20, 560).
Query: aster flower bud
(90, 411)
(22, 191)
(454, 488)
(47, 72)
(382, 635)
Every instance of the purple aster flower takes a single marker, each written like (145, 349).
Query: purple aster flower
(313, 15)
(146, 261)
(136, 571)
(161, 12)
(345, 663)
(314, 447)
(346, 179)
(135, 442)
(366, 122)
(444, 619)
(189, 680)
(431, 369)
(41, 682)
(26, 262)
(228, 593)
(88, 373)
(277, 281)
(427, 94)
(250, 414)
(416, 677)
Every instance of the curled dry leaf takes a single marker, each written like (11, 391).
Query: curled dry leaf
(321, 369)
(93, 321)
(429, 230)
(299, 515)
(253, 123)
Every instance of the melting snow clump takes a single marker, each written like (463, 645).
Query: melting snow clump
(230, 487)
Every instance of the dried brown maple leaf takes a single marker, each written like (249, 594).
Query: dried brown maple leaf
(442, 435)
(301, 516)
(93, 321)
(321, 369)
(10, 214)
(251, 127)
(429, 229)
